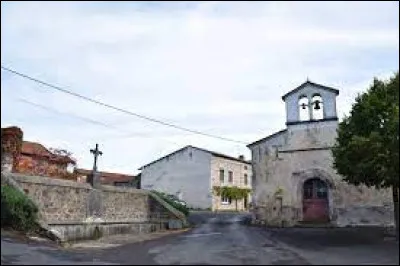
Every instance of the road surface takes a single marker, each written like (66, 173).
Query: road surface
(220, 239)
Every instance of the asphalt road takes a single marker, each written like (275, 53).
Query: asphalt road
(221, 239)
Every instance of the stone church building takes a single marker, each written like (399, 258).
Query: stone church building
(293, 176)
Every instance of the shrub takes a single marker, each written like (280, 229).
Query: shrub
(17, 210)
(170, 200)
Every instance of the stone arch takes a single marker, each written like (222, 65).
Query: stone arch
(317, 102)
(301, 177)
(303, 108)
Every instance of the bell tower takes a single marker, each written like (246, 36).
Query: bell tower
(309, 103)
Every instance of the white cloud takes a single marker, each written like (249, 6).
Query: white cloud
(212, 66)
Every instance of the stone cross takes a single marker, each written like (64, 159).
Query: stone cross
(96, 152)
(93, 178)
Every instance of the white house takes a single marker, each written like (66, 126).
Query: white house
(191, 173)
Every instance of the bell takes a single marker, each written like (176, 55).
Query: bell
(316, 105)
(303, 106)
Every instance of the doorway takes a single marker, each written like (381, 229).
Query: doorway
(315, 201)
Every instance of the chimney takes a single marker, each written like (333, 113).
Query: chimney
(241, 157)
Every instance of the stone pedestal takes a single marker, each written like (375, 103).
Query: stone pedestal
(94, 180)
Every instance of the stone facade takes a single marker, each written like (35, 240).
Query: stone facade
(284, 161)
(241, 177)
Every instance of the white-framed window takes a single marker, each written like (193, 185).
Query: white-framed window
(226, 200)
(230, 177)
(246, 181)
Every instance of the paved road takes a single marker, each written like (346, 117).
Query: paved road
(221, 239)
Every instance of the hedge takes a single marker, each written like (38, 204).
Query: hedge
(167, 198)
(17, 210)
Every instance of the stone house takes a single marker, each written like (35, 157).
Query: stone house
(293, 176)
(107, 178)
(33, 158)
(191, 173)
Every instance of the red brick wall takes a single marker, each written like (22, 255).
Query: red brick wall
(11, 141)
(33, 165)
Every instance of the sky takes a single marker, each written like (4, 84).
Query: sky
(216, 67)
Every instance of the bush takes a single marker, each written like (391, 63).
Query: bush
(17, 210)
(170, 199)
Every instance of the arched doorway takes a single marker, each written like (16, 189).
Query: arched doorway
(315, 201)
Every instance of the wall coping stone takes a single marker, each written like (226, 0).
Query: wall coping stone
(109, 188)
(48, 181)
(65, 223)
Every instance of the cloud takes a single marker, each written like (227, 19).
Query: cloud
(214, 66)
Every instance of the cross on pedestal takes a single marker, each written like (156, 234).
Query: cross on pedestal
(96, 152)
(94, 177)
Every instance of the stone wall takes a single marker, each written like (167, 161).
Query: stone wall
(75, 211)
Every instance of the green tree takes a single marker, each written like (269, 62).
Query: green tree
(234, 193)
(367, 146)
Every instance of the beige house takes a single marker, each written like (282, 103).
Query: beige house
(228, 172)
(191, 173)
(293, 176)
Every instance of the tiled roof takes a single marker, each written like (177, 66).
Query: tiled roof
(107, 177)
(267, 137)
(216, 154)
(336, 91)
(34, 148)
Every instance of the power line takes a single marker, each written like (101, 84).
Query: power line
(117, 108)
(92, 121)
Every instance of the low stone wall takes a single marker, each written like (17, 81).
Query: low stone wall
(75, 211)
(362, 215)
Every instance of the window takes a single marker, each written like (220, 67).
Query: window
(226, 200)
(230, 177)
(221, 175)
(254, 155)
(245, 167)
(245, 179)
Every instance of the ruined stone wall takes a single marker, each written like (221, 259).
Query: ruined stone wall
(11, 142)
(34, 165)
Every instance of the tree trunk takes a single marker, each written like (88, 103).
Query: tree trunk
(395, 191)
(236, 204)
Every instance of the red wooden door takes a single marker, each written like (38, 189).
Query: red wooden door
(315, 201)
